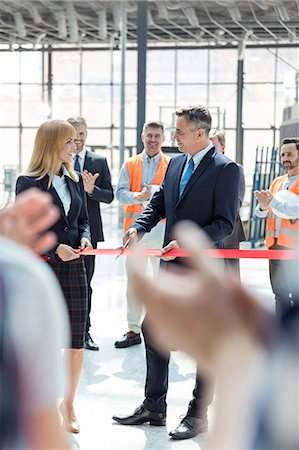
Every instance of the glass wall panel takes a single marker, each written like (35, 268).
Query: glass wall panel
(10, 154)
(96, 105)
(130, 141)
(281, 102)
(252, 139)
(223, 104)
(187, 94)
(287, 63)
(65, 101)
(11, 62)
(9, 101)
(160, 66)
(31, 67)
(223, 66)
(160, 101)
(130, 106)
(66, 67)
(258, 105)
(101, 93)
(131, 67)
(96, 67)
(258, 65)
(230, 144)
(192, 66)
(98, 137)
(28, 136)
(34, 110)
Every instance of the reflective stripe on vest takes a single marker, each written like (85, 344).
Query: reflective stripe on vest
(134, 167)
(289, 228)
(131, 215)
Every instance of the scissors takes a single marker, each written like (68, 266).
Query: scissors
(122, 249)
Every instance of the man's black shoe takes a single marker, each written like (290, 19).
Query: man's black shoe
(89, 344)
(189, 427)
(130, 338)
(140, 416)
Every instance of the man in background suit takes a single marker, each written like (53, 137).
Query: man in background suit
(201, 185)
(97, 184)
(238, 235)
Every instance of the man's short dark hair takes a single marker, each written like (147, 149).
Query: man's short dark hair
(153, 124)
(293, 140)
(77, 120)
(197, 116)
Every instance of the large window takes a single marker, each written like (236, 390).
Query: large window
(87, 82)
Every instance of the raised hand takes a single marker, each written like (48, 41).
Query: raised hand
(28, 220)
(89, 181)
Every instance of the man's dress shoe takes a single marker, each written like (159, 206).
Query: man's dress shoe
(89, 343)
(130, 338)
(189, 427)
(140, 416)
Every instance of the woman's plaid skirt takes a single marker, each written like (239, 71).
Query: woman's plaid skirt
(72, 278)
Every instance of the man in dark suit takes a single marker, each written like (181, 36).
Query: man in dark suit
(97, 184)
(238, 235)
(201, 185)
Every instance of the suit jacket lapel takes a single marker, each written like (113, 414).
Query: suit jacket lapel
(178, 175)
(202, 166)
(56, 198)
(72, 188)
(87, 162)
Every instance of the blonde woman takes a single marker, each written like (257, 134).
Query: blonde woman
(50, 170)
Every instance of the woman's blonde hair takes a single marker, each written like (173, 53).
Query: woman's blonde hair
(49, 138)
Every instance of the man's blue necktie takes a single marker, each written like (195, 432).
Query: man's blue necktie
(186, 176)
(77, 166)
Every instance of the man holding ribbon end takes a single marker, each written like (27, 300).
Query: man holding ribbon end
(280, 204)
(202, 185)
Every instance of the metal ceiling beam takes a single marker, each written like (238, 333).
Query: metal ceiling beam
(221, 20)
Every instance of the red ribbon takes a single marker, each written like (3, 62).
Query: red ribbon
(211, 253)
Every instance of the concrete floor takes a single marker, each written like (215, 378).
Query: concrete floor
(112, 380)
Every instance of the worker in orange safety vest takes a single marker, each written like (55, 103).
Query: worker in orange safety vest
(282, 230)
(140, 177)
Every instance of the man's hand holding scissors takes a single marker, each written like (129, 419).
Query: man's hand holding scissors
(129, 239)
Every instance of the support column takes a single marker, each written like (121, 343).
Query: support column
(240, 85)
(50, 75)
(123, 43)
(141, 81)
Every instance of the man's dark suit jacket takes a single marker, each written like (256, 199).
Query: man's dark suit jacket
(103, 192)
(68, 229)
(238, 235)
(210, 199)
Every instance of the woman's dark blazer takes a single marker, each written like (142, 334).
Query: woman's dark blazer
(69, 229)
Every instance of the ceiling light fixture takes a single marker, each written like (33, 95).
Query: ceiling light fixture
(190, 14)
(102, 24)
(282, 12)
(234, 13)
(162, 10)
(262, 5)
(73, 22)
(40, 38)
(61, 24)
(36, 17)
(116, 16)
(150, 20)
(20, 24)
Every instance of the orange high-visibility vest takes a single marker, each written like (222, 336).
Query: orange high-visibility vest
(289, 228)
(134, 167)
